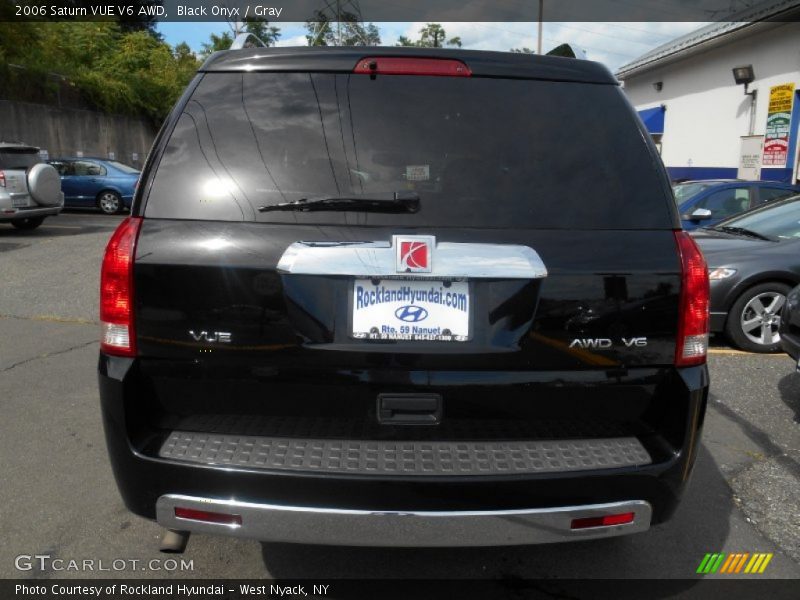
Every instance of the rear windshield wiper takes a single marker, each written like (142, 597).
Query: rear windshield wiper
(393, 202)
(744, 231)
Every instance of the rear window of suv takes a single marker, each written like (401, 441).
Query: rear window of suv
(477, 151)
(18, 159)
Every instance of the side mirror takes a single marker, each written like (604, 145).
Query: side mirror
(699, 214)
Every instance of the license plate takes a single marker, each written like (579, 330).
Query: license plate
(19, 202)
(416, 310)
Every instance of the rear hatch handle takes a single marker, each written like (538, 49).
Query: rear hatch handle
(384, 259)
(409, 409)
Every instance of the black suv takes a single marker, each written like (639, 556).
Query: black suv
(383, 296)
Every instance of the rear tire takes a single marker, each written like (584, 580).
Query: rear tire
(28, 224)
(755, 317)
(109, 202)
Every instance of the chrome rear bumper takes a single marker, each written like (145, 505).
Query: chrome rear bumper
(12, 214)
(329, 526)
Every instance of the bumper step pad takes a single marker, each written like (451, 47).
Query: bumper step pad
(404, 458)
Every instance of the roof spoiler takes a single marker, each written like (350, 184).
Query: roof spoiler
(247, 40)
(568, 51)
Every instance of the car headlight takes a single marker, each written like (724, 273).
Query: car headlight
(720, 273)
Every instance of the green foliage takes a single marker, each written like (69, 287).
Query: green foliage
(129, 72)
(262, 30)
(217, 43)
(258, 27)
(432, 35)
(523, 50)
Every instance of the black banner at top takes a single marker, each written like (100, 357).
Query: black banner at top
(403, 10)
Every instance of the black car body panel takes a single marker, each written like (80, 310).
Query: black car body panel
(676, 405)
(480, 63)
(294, 317)
(230, 343)
(790, 324)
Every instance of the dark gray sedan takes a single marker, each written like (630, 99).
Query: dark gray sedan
(753, 261)
(790, 325)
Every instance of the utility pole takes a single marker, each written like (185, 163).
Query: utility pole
(539, 39)
(753, 99)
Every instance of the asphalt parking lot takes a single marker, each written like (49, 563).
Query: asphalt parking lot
(58, 496)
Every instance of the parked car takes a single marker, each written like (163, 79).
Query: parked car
(707, 202)
(29, 189)
(790, 325)
(96, 183)
(753, 260)
(370, 309)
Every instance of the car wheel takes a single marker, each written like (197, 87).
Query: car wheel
(109, 202)
(755, 317)
(28, 224)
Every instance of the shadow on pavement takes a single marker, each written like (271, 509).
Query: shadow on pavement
(671, 550)
(718, 340)
(54, 227)
(789, 388)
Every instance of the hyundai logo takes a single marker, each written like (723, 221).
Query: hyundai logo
(411, 313)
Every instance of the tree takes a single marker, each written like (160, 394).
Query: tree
(324, 32)
(139, 75)
(319, 32)
(131, 72)
(216, 43)
(523, 50)
(267, 33)
(432, 35)
(258, 27)
(139, 21)
(185, 59)
(142, 16)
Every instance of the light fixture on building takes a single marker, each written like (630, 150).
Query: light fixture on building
(658, 86)
(744, 75)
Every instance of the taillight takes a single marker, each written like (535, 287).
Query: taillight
(387, 65)
(693, 320)
(116, 290)
(2, 179)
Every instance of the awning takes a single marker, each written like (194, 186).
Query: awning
(653, 119)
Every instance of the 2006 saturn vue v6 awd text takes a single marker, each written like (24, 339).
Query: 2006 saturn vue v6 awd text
(383, 296)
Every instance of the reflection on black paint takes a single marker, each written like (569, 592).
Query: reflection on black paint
(616, 287)
(475, 150)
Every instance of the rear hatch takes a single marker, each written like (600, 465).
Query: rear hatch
(15, 160)
(315, 241)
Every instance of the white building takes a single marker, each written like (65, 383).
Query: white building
(703, 121)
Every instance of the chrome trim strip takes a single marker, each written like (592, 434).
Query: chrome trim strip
(332, 526)
(378, 259)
